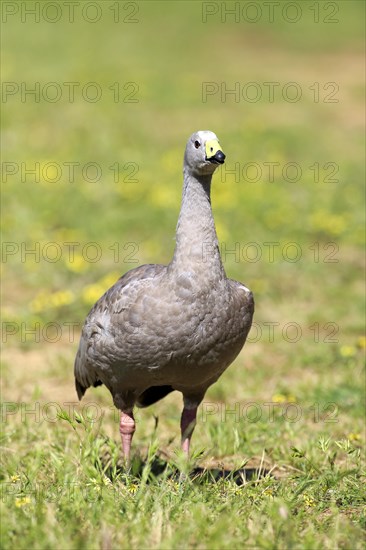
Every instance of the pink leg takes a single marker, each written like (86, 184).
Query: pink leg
(187, 425)
(127, 428)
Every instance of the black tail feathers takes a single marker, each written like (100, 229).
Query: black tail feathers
(80, 390)
(153, 394)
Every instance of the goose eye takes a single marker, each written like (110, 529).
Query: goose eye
(197, 144)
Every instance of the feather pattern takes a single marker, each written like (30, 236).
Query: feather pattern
(176, 327)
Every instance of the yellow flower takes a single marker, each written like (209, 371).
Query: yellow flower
(46, 300)
(361, 342)
(283, 398)
(62, 298)
(324, 221)
(348, 351)
(278, 398)
(22, 501)
(77, 264)
(353, 437)
(91, 293)
(133, 488)
(108, 280)
(40, 302)
(14, 478)
(309, 501)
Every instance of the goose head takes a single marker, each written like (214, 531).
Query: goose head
(203, 153)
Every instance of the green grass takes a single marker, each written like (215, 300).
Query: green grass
(288, 414)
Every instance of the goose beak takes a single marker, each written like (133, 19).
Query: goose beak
(214, 153)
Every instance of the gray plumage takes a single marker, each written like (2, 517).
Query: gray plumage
(175, 327)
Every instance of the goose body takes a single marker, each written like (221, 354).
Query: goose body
(176, 327)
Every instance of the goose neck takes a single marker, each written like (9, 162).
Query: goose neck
(196, 239)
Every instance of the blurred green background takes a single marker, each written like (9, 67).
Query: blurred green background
(151, 63)
(162, 55)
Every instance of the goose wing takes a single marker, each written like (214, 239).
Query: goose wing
(118, 298)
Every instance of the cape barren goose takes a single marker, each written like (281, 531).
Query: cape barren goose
(176, 327)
